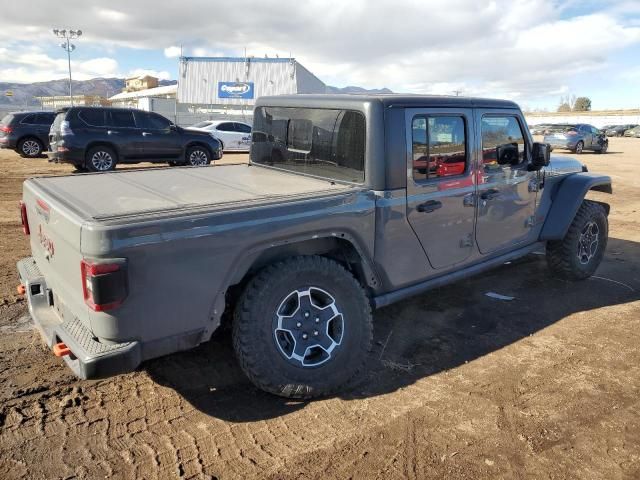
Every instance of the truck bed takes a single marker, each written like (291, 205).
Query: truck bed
(129, 193)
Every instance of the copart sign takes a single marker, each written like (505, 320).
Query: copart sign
(235, 89)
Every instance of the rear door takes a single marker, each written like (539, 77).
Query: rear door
(123, 132)
(585, 132)
(440, 182)
(226, 132)
(42, 125)
(506, 192)
(244, 135)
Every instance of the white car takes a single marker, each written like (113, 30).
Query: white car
(235, 136)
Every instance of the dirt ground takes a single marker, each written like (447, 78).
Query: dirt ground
(460, 385)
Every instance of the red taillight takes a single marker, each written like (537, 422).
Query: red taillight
(571, 133)
(23, 218)
(104, 285)
(6, 129)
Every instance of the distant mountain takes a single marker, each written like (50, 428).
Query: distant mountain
(24, 93)
(357, 90)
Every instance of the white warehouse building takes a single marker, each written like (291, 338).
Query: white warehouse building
(232, 85)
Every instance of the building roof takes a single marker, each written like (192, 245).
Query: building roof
(239, 59)
(140, 77)
(148, 92)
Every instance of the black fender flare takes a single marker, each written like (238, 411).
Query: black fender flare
(566, 200)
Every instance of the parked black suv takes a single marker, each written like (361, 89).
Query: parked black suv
(97, 138)
(26, 132)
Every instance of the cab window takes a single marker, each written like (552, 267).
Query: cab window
(438, 147)
(501, 133)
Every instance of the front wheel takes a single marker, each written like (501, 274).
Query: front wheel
(198, 156)
(578, 255)
(302, 328)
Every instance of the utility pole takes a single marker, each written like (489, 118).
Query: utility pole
(68, 35)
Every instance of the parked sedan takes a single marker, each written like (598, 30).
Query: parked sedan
(618, 130)
(633, 132)
(578, 138)
(26, 132)
(235, 136)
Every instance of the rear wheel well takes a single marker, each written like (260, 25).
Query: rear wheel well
(336, 247)
(101, 144)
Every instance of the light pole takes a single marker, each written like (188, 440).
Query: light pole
(69, 47)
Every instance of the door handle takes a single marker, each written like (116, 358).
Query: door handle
(430, 206)
(490, 194)
(112, 132)
(146, 134)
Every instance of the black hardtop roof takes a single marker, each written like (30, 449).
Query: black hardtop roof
(389, 100)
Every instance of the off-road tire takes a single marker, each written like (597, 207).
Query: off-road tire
(30, 147)
(254, 338)
(102, 151)
(562, 255)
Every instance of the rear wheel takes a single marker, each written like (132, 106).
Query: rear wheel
(100, 159)
(198, 156)
(578, 255)
(302, 328)
(30, 147)
(579, 147)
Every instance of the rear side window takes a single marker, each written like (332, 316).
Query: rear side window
(439, 147)
(500, 131)
(122, 118)
(92, 118)
(327, 143)
(6, 120)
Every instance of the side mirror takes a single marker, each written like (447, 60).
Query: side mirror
(173, 127)
(540, 155)
(507, 154)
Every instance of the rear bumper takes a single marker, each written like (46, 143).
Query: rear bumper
(89, 358)
(7, 142)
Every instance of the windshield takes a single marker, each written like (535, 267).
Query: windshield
(325, 143)
(201, 125)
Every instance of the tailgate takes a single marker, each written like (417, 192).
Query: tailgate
(55, 246)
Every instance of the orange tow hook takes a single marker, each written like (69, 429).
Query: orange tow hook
(60, 350)
(21, 289)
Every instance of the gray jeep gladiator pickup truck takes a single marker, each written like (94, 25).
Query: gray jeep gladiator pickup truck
(349, 203)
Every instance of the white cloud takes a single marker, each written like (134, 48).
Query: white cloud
(172, 52)
(520, 48)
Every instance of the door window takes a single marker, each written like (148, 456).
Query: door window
(123, 119)
(152, 121)
(501, 132)
(241, 127)
(439, 147)
(45, 118)
(226, 127)
(29, 119)
(92, 117)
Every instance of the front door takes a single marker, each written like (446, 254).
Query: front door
(440, 185)
(507, 191)
(158, 141)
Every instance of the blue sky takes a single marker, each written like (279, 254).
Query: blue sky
(532, 51)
